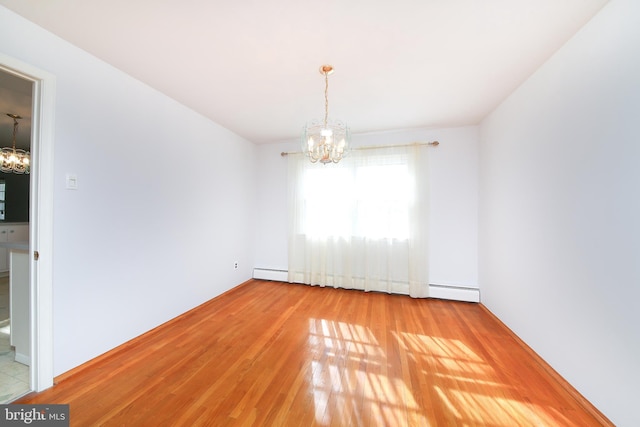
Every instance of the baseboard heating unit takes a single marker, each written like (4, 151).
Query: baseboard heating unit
(455, 293)
(270, 274)
(449, 292)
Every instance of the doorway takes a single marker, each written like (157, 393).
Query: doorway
(40, 245)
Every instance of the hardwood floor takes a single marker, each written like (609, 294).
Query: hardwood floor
(275, 354)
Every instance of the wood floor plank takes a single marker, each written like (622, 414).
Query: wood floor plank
(276, 354)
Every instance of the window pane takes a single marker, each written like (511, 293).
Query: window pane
(369, 201)
(383, 194)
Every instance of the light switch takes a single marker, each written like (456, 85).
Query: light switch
(72, 181)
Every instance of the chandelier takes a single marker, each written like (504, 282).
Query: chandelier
(12, 159)
(325, 140)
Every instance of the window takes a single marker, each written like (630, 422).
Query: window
(360, 223)
(366, 201)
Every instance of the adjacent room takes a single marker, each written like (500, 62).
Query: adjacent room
(15, 143)
(420, 163)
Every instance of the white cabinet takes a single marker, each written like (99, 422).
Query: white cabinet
(4, 252)
(19, 299)
(11, 233)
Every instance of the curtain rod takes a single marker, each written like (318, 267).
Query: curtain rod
(432, 143)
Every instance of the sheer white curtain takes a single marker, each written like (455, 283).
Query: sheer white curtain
(361, 223)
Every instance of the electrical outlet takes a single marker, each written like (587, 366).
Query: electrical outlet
(235, 265)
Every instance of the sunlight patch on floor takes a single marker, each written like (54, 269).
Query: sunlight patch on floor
(349, 372)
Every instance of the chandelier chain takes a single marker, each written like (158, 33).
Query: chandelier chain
(326, 97)
(15, 131)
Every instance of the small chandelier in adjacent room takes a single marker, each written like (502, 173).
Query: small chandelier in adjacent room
(12, 159)
(325, 140)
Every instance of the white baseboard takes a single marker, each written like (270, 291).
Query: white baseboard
(449, 292)
(270, 274)
(21, 358)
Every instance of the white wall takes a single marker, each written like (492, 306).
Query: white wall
(559, 211)
(164, 205)
(453, 212)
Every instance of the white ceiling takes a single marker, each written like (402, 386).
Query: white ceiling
(252, 65)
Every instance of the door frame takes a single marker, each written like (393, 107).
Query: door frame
(40, 218)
